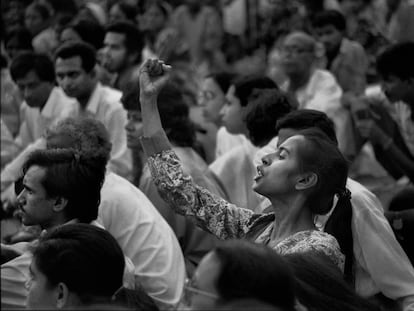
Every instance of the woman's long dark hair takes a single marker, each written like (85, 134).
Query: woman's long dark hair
(319, 285)
(321, 156)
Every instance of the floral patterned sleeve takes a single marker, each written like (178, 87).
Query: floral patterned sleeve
(210, 212)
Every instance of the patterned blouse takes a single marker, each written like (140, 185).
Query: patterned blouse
(221, 218)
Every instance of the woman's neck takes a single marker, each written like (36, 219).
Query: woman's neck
(290, 218)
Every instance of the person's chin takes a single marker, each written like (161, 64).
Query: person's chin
(134, 146)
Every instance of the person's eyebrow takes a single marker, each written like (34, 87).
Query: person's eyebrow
(26, 186)
(284, 149)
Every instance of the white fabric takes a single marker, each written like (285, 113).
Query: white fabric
(145, 237)
(8, 146)
(105, 106)
(226, 141)
(236, 171)
(381, 264)
(323, 93)
(36, 122)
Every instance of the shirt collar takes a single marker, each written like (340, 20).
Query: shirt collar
(49, 109)
(95, 99)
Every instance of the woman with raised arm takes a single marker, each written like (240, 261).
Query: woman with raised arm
(301, 180)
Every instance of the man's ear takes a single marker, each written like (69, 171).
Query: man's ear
(62, 295)
(306, 181)
(60, 204)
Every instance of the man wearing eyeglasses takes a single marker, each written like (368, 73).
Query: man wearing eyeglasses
(312, 87)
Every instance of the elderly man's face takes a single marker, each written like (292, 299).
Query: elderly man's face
(297, 55)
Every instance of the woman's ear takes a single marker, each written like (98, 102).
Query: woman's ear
(62, 295)
(306, 181)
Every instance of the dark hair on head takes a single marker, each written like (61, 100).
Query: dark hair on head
(90, 31)
(71, 175)
(223, 79)
(41, 64)
(330, 17)
(64, 6)
(86, 135)
(163, 6)
(87, 259)
(42, 9)
(250, 270)
(174, 112)
(319, 285)
(22, 36)
(397, 61)
(263, 112)
(245, 85)
(84, 50)
(133, 37)
(306, 118)
(322, 157)
(129, 10)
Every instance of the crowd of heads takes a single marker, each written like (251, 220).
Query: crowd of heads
(76, 45)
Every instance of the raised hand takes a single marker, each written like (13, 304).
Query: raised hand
(154, 74)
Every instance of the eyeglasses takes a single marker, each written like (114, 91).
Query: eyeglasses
(190, 290)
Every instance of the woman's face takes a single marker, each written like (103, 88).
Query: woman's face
(200, 293)
(280, 171)
(33, 20)
(232, 113)
(154, 18)
(41, 294)
(133, 129)
(212, 99)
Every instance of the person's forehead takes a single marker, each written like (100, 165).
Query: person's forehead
(71, 63)
(293, 142)
(299, 40)
(114, 38)
(34, 174)
(31, 76)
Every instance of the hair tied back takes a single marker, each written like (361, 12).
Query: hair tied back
(344, 194)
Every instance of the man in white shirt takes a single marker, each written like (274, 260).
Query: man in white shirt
(43, 103)
(315, 88)
(141, 231)
(74, 67)
(51, 198)
(234, 168)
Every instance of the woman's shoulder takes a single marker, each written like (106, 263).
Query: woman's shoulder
(315, 241)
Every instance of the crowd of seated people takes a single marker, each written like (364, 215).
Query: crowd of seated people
(206, 154)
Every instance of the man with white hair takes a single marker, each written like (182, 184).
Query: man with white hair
(315, 88)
